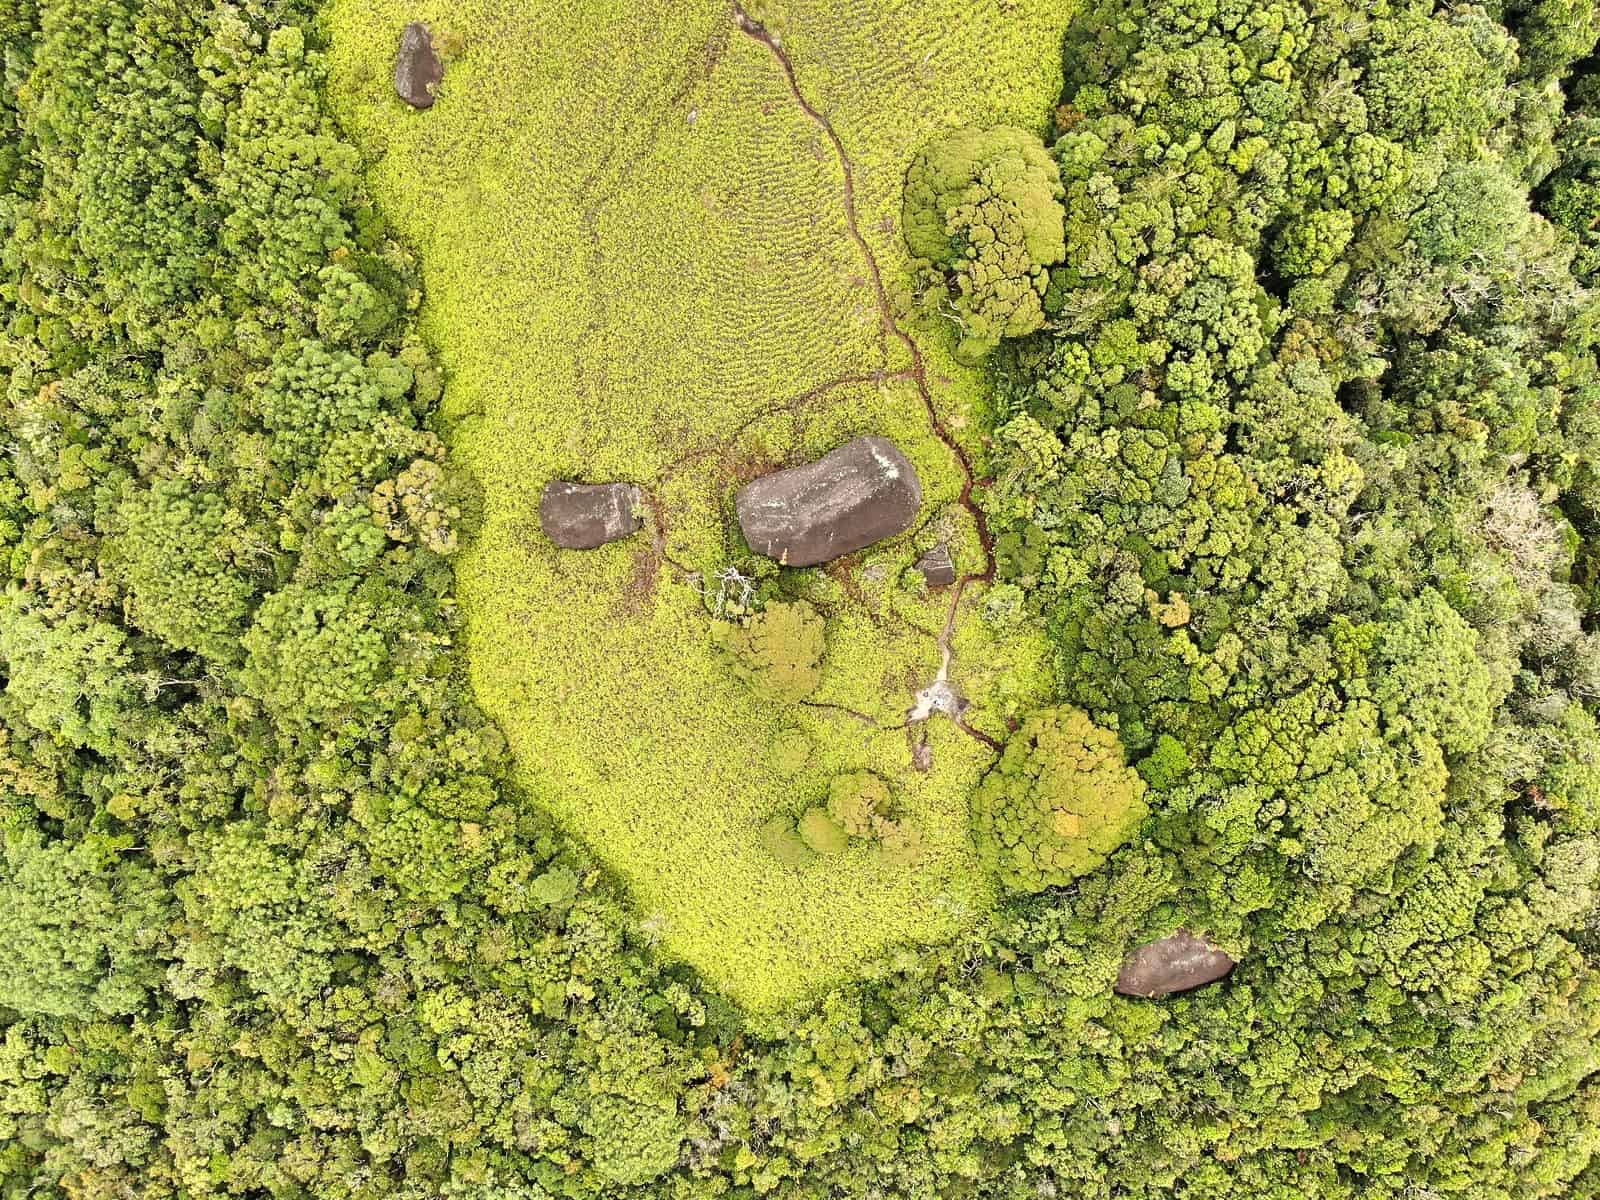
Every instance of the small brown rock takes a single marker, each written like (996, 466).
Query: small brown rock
(937, 566)
(861, 493)
(1173, 964)
(581, 516)
(418, 70)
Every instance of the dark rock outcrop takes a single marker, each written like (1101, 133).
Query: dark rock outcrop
(1173, 964)
(418, 70)
(937, 567)
(861, 493)
(581, 516)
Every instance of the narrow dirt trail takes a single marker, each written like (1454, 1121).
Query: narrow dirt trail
(918, 373)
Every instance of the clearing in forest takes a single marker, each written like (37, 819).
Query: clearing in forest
(640, 265)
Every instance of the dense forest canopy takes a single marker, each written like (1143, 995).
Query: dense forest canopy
(1293, 451)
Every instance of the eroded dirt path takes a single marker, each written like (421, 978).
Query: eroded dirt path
(927, 701)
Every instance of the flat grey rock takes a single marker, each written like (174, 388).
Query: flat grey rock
(418, 70)
(1173, 964)
(581, 516)
(861, 493)
(937, 567)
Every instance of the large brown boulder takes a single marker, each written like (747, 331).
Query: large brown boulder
(1173, 964)
(861, 493)
(418, 70)
(581, 516)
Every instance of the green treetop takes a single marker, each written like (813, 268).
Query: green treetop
(1059, 801)
(984, 206)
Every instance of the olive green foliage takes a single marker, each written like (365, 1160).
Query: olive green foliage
(80, 929)
(1314, 521)
(779, 650)
(785, 841)
(1058, 802)
(858, 802)
(984, 207)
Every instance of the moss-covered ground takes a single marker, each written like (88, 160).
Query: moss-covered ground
(638, 266)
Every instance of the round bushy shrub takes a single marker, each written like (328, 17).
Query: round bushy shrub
(1058, 802)
(822, 833)
(778, 652)
(857, 801)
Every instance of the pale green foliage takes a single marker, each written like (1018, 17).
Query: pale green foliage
(633, 1142)
(312, 652)
(79, 928)
(859, 809)
(264, 911)
(350, 307)
(554, 889)
(1432, 679)
(1427, 76)
(317, 392)
(1314, 243)
(427, 857)
(287, 178)
(1354, 800)
(984, 205)
(1570, 782)
(1476, 211)
(900, 843)
(68, 680)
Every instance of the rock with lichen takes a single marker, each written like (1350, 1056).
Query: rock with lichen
(851, 497)
(418, 69)
(1172, 964)
(937, 566)
(584, 516)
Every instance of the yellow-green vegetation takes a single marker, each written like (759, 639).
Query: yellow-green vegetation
(778, 651)
(639, 264)
(1059, 801)
(860, 807)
